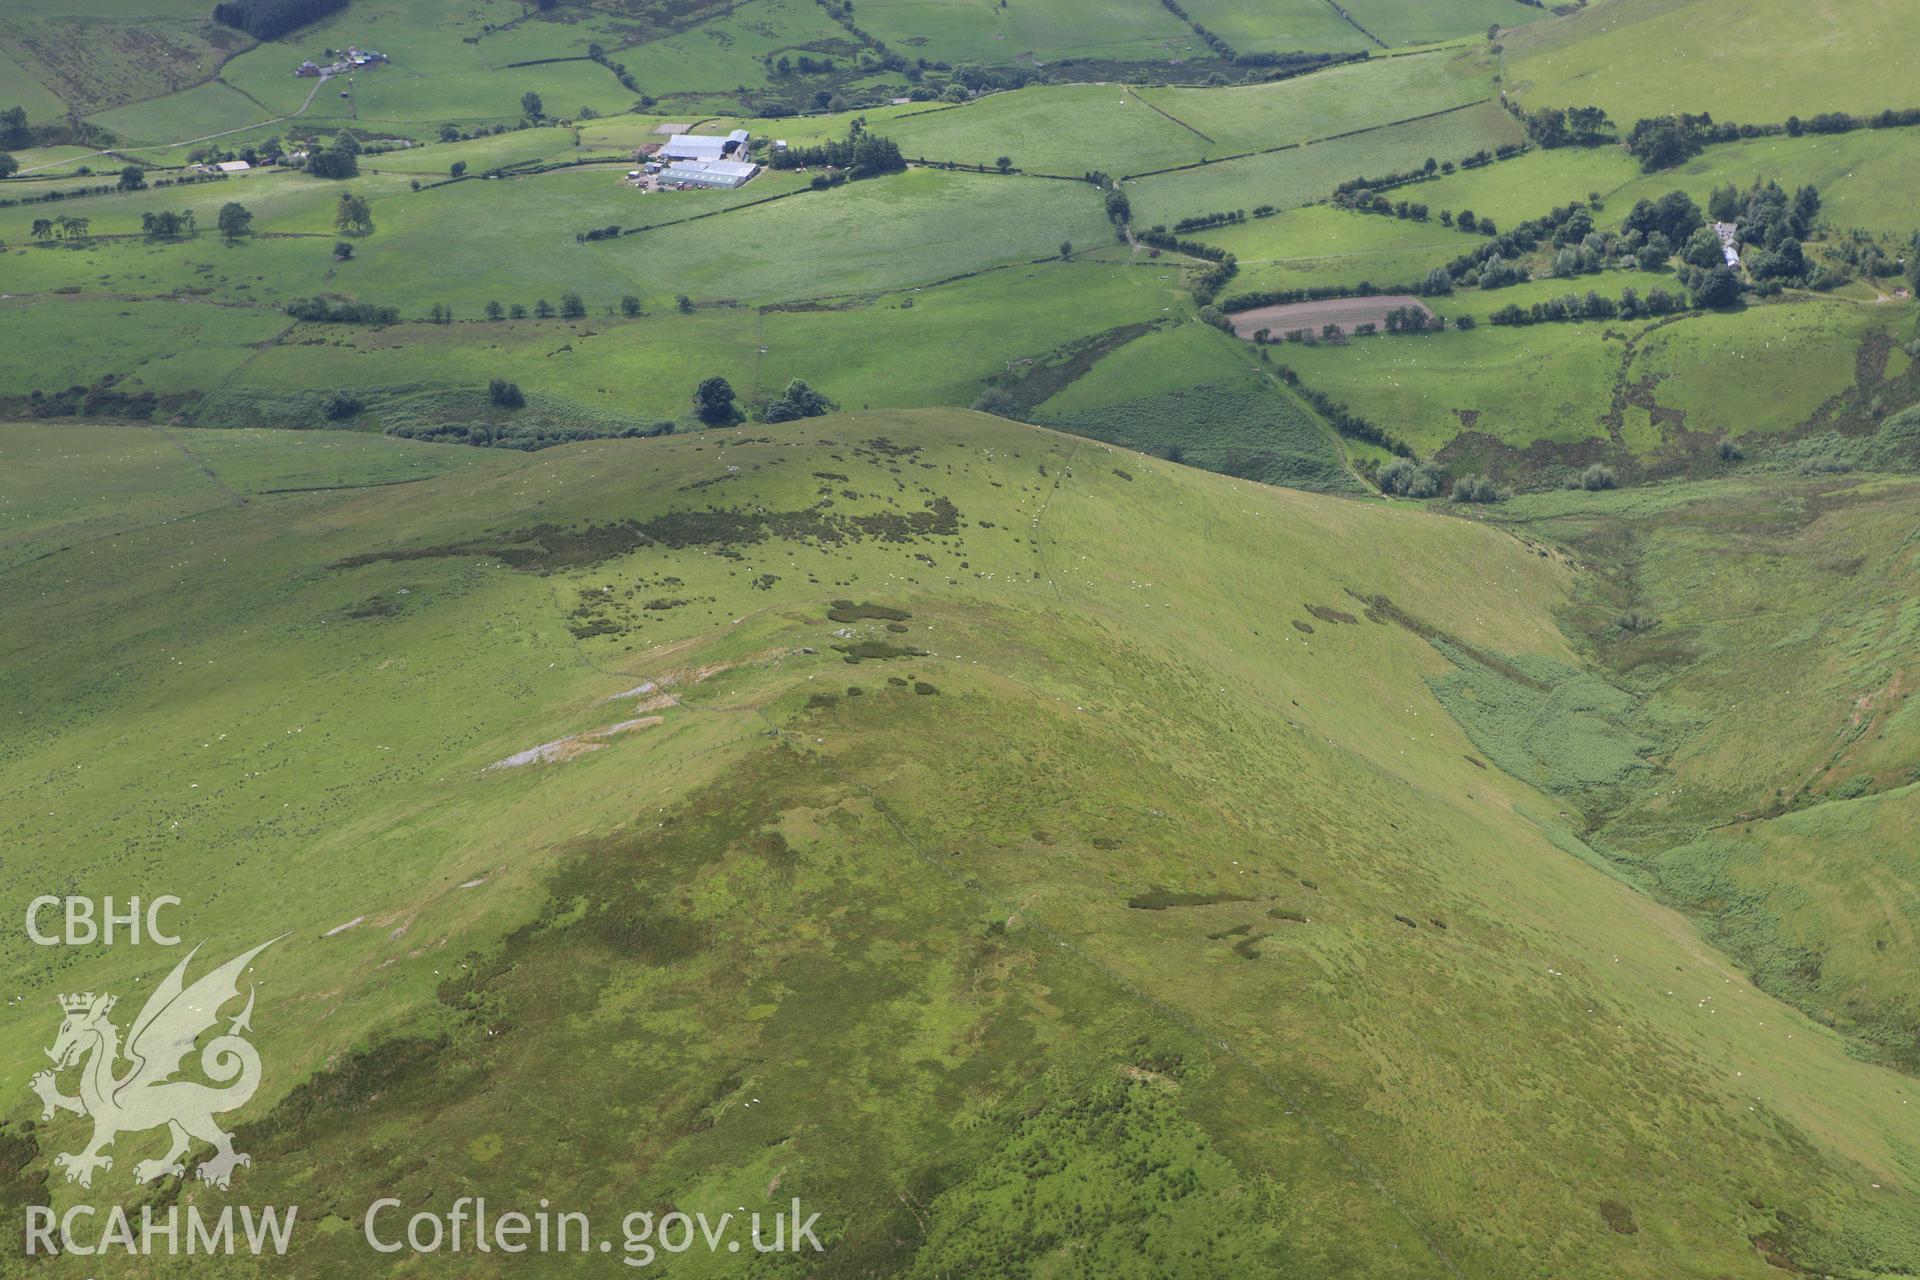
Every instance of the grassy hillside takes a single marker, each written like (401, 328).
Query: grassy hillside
(1757, 60)
(1250, 984)
(1784, 770)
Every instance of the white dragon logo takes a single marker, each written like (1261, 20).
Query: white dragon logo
(147, 1096)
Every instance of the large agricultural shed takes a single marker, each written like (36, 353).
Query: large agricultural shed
(709, 173)
(702, 146)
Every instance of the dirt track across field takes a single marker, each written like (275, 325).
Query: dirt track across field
(1345, 312)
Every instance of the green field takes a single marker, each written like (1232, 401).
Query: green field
(1302, 175)
(1394, 23)
(1286, 26)
(94, 54)
(1322, 245)
(1337, 101)
(1641, 58)
(968, 31)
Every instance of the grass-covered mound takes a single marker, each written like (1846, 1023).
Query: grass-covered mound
(607, 879)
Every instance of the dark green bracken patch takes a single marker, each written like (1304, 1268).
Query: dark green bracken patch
(544, 548)
(1167, 899)
(848, 611)
(876, 651)
(1326, 614)
(387, 606)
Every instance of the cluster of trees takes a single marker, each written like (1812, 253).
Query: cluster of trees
(1498, 273)
(14, 130)
(1661, 142)
(352, 215)
(62, 228)
(1414, 320)
(597, 233)
(1597, 306)
(1674, 215)
(1865, 254)
(334, 310)
(506, 395)
(1479, 488)
(17, 133)
(1499, 256)
(807, 66)
(101, 400)
(1767, 217)
(166, 224)
(340, 160)
(271, 19)
(798, 401)
(1406, 478)
(860, 153)
(713, 402)
(1574, 127)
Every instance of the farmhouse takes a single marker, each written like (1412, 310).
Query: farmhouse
(1729, 243)
(307, 68)
(726, 174)
(703, 146)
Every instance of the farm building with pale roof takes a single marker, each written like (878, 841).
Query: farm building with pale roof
(709, 173)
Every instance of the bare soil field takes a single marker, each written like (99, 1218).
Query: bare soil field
(1345, 312)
